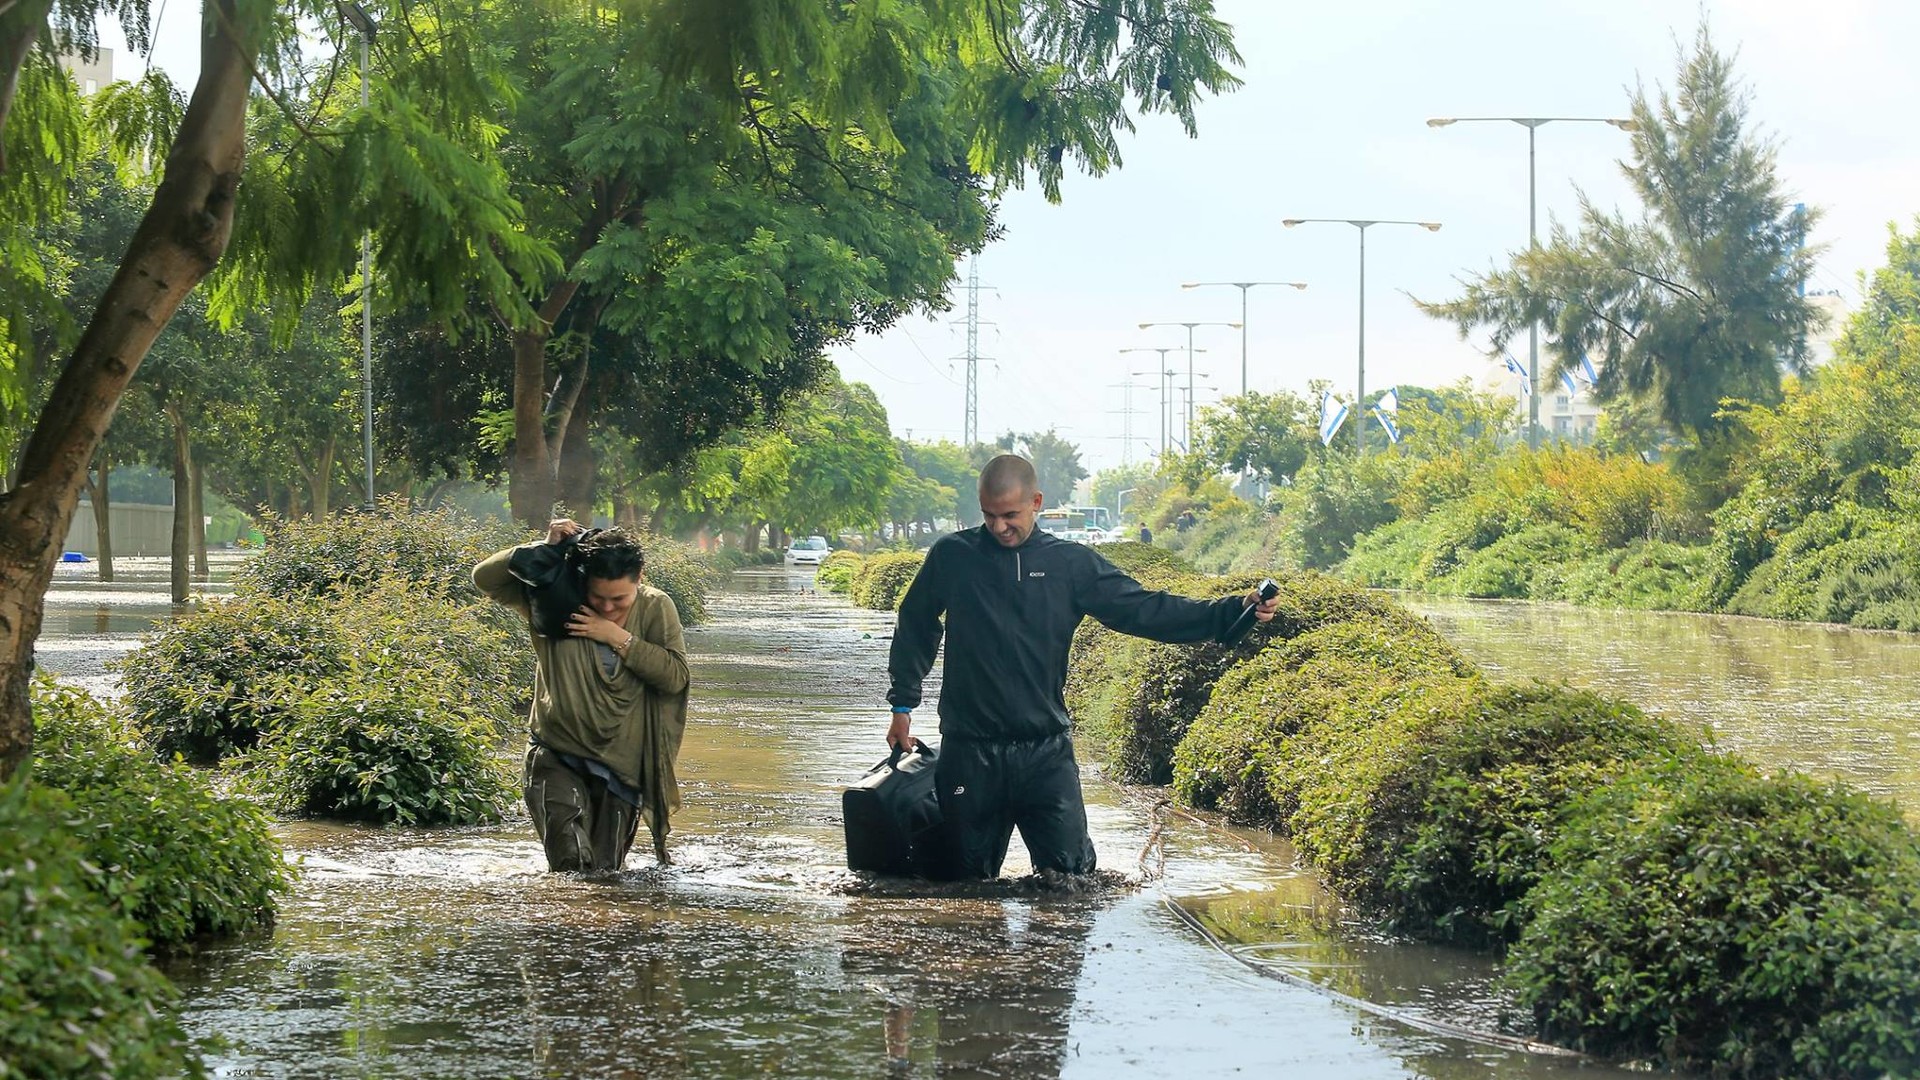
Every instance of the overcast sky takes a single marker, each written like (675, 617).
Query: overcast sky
(1331, 123)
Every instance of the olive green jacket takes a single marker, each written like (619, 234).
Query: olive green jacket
(631, 721)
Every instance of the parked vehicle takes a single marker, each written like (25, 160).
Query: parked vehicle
(808, 552)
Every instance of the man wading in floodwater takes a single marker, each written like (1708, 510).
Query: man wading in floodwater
(1012, 598)
(609, 705)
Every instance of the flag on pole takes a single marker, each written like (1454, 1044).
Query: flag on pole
(1332, 415)
(1566, 380)
(1387, 411)
(1526, 384)
(1587, 374)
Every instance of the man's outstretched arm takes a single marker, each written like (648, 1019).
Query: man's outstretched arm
(1123, 604)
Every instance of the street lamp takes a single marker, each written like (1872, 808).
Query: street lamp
(1189, 326)
(1533, 124)
(1166, 373)
(1243, 286)
(363, 22)
(1361, 224)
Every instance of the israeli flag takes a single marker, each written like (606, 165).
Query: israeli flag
(1566, 380)
(1587, 374)
(1332, 415)
(1386, 410)
(1526, 384)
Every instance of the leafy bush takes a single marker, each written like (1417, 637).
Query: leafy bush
(1136, 558)
(883, 579)
(1745, 529)
(178, 859)
(1707, 917)
(1833, 566)
(1471, 815)
(389, 742)
(1339, 499)
(77, 996)
(1505, 568)
(1646, 574)
(1389, 556)
(837, 571)
(341, 553)
(198, 687)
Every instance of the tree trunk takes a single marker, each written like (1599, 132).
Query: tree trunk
(98, 494)
(199, 521)
(183, 235)
(18, 29)
(320, 480)
(750, 538)
(182, 504)
(577, 465)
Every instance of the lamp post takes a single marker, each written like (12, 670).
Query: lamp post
(1360, 390)
(364, 23)
(1533, 124)
(1165, 373)
(1189, 326)
(1243, 286)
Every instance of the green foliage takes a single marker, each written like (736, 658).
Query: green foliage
(1506, 567)
(1649, 574)
(1136, 558)
(882, 579)
(1703, 916)
(203, 685)
(77, 996)
(838, 570)
(1470, 818)
(175, 857)
(342, 553)
(1389, 556)
(1847, 564)
(390, 742)
(1268, 434)
(1337, 498)
(1056, 462)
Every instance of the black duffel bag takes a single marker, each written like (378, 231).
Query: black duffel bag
(555, 582)
(893, 816)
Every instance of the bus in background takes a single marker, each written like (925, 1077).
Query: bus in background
(1096, 517)
(1060, 520)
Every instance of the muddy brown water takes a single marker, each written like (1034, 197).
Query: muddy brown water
(453, 953)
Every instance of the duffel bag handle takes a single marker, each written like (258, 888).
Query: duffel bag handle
(894, 756)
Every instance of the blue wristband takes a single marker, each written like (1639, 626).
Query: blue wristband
(898, 711)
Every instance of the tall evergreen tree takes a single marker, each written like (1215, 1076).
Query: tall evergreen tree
(1695, 301)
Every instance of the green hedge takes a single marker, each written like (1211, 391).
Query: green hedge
(682, 573)
(343, 553)
(77, 995)
(883, 579)
(177, 858)
(1708, 917)
(838, 570)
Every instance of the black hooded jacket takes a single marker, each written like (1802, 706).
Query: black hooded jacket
(1010, 617)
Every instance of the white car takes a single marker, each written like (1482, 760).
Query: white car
(808, 552)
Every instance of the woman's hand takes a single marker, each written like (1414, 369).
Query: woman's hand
(587, 623)
(560, 528)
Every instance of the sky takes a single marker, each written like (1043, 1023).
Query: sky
(1331, 123)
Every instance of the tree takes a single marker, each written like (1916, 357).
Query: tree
(1698, 300)
(1055, 461)
(1268, 433)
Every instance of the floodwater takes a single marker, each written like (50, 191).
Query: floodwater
(1831, 701)
(454, 954)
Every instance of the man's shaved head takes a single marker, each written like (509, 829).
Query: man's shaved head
(1008, 474)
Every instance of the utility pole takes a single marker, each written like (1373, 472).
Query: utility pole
(1126, 420)
(970, 428)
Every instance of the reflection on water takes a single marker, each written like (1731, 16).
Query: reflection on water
(1829, 700)
(454, 954)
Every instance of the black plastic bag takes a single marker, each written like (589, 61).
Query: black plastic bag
(555, 582)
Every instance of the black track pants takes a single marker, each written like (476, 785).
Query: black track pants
(988, 789)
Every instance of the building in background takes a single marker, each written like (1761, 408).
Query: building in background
(92, 75)
(1820, 342)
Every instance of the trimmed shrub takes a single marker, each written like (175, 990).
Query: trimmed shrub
(387, 742)
(1136, 558)
(1708, 917)
(1389, 557)
(1471, 815)
(176, 858)
(883, 579)
(837, 571)
(342, 553)
(77, 996)
(198, 687)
